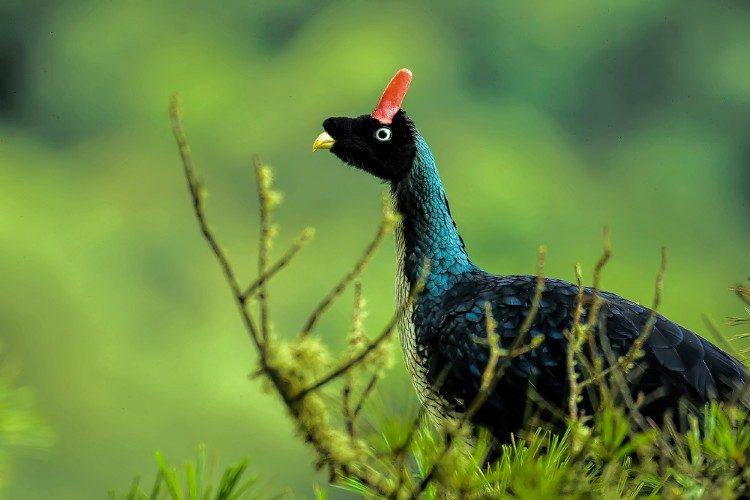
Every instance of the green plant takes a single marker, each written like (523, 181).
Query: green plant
(22, 429)
(196, 482)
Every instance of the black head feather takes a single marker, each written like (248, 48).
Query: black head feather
(362, 143)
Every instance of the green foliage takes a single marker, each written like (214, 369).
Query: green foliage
(707, 462)
(195, 482)
(22, 428)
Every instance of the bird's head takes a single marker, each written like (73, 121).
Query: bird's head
(382, 143)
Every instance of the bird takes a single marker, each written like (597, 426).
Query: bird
(444, 329)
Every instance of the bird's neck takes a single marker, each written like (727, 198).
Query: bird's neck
(427, 231)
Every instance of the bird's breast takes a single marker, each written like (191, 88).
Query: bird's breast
(416, 352)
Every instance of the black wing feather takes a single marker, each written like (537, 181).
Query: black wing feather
(676, 362)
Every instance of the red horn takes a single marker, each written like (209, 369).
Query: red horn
(393, 96)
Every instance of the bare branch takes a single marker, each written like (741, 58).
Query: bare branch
(197, 195)
(579, 333)
(366, 392)
(624, 362)
(384, 228)
(303, 239)
(534, 309)
(593, 314)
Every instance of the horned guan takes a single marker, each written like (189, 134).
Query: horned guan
(443, 333)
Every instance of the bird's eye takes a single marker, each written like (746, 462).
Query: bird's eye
(383, 134)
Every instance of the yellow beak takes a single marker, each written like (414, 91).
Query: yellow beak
(323, 141)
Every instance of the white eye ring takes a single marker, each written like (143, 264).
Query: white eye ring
(383, 134)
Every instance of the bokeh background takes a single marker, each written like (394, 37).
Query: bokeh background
(548, 121)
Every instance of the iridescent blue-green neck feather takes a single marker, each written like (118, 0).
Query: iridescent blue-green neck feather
(428, 230)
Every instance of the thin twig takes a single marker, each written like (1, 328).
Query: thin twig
(538, 290)
(348, 278)
(357, 337)
(488, 375)
(593, 316)
(197, 196)
(355, 360)
(579, 295)
(574, 388)
(579, 333)
(619, 381)
(347, 411)
(263, 182)
(303, 239)
(625, 361)
(366, 392)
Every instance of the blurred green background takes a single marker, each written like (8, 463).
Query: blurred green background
(548, 121)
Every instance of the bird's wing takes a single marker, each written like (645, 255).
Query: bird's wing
(460, 341)
(676, 361)
(676, 352)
